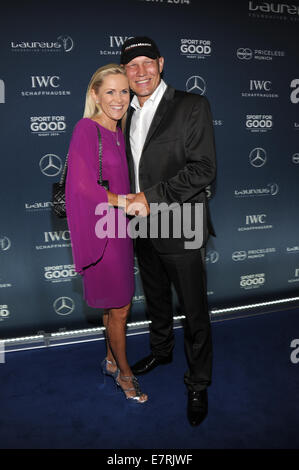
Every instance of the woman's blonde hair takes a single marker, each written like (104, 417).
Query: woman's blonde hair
(91, 108)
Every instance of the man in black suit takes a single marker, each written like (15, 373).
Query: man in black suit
(171, 158)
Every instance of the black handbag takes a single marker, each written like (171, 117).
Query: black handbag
(58, 190)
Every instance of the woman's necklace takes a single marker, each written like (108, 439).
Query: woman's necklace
(115, 135)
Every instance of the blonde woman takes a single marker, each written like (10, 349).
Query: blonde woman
(106, 264)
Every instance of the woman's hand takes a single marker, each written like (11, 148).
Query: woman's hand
(117, 200)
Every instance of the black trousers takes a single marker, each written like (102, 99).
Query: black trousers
(187, 273)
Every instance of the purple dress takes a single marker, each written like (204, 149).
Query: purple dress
(106, 264)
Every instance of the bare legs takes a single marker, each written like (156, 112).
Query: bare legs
(115, 320)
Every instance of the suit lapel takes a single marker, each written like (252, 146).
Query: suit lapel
(127, 128)
(128, 149)
(159, 114)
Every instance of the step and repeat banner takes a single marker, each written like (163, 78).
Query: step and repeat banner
(242, 55)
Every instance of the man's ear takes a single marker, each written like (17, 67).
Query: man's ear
(161, 64)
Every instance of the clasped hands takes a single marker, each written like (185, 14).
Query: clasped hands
(132, 204)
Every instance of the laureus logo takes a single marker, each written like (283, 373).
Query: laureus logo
(67, 43)
(63, 43)
(267, 7)
(5, 243)
(212, 257)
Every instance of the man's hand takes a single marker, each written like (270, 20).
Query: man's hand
(137, 205)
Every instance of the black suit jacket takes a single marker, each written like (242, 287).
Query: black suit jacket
(178, 159)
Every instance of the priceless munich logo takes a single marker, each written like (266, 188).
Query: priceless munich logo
(196, 84)
(243, 53)
(258, 157)
(239, 255)
(295, 158)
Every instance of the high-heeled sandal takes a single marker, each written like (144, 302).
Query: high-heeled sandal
(106, 371)
(136, 388)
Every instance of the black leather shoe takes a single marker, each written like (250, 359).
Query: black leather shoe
(148, 363)
(197, 408)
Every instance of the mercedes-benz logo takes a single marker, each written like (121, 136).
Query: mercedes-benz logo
(50, 165)
(295, 158)
(67, 43)
(258, 157)
(212, 257)
(239, 255)
(244, 53)
(196, 84)
(5, 243)
(64, 306)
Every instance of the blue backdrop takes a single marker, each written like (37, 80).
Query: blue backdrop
(242, 55)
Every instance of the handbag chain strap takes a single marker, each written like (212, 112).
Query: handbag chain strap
(63, 174)
(64, 171)
(100, 180)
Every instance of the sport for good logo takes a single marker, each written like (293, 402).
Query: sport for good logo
(259, 122)
(196, 48)
(47, 125)
(252, 281)
(63, 273)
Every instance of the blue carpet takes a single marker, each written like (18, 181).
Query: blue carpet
(56, 398)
